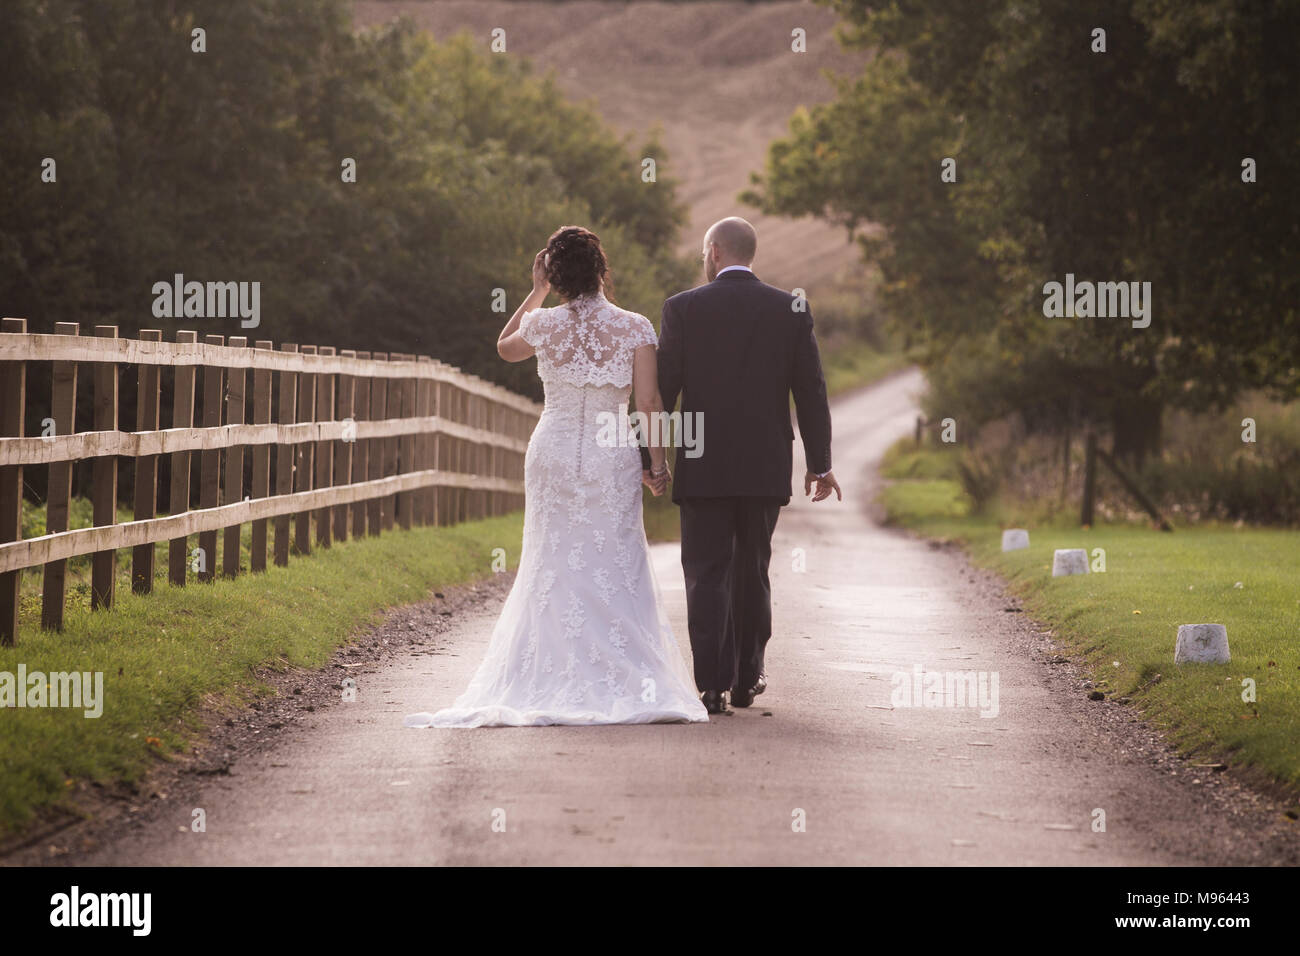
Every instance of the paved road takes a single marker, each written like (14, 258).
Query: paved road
(874, 784)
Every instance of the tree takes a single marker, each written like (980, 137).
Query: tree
(1123, 165)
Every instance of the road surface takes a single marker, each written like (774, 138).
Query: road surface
(822, 770)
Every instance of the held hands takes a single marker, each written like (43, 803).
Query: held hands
(825, 485)
(657, 482)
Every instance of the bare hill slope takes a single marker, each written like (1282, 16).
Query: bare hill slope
(718, 77)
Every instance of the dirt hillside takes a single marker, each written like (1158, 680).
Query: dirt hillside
(718, 77)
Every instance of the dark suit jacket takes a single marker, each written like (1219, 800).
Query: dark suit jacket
(735, 350)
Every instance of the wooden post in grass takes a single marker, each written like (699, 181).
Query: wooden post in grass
(1065, 459)
(440, 496)
(406, 446)
(424, 450)
(210, 459)
(178, 557)
(1138, 495)
(392, 409)
(13, 398)
(427, 410)
(58, 502)
(1089, 478)
(234, 485)
(344, 398)
(103, 570)
(147, 393)
(324, 449)
(303, 455)
(361, 447)
(457, 457)
(285, 454)
(261, 459)
(378, 449)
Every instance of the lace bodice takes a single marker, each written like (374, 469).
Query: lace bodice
(587, 341)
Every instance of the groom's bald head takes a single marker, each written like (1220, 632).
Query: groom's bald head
(729, 242)
(735, 239)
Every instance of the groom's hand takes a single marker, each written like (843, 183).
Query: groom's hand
(825, 485)
(657, 486)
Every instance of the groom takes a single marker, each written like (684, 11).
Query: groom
(735, 350)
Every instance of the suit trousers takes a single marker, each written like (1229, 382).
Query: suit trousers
(726, 549)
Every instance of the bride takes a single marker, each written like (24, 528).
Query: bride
(582, 638)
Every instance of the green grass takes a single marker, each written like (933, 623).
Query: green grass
(854, 364)
(1124, 622)
(165, 654)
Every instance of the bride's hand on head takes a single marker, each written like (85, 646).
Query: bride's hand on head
(540, 283)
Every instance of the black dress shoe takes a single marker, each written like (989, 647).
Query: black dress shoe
(743, 697)
(715, 702)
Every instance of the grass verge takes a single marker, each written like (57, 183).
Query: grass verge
(1124, 622)
(854, 364)
(162, 655)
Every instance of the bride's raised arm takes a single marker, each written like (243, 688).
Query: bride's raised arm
(512, 346)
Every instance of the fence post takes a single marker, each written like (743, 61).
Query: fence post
(103, 573)
(178, 557)
(58, 497)
(406, 447)
(360, 448)
(324, 448)
(420, 496)
(424, 444)
(210, 459)
(440, 496)
(261, 458)
(13, 401)
(461, 495)
(1089, 478)
(147, 392)
(344, 400)
(303, 454)
(378, 453)
(499, 422)
(285, 454)
(234, 485)
(476, 454)
(392, 409)
(481, 458)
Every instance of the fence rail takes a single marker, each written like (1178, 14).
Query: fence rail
(352, 442)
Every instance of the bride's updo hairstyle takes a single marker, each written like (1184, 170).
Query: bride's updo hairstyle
(576, 263)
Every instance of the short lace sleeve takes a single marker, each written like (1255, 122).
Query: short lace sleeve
(532, 325)
(586, 341)
(642, 332)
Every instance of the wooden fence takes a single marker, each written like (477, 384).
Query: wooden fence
(357, 442)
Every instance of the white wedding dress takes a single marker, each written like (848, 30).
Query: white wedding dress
(582, 638)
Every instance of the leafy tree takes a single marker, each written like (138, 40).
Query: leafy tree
(1124, 165)
(226, 165)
